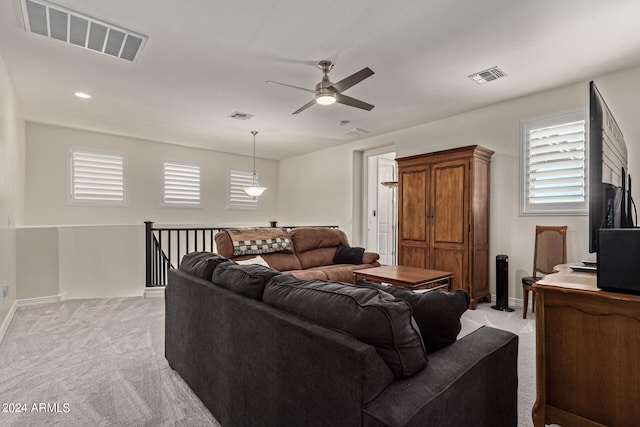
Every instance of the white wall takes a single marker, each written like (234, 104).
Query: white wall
(329, 174)
(99, 251)
(622, 94)
(114, 267)
(322, 188)
(37, 264)
(85, 261)
(325, 187)
(12, 142)
(46, 181)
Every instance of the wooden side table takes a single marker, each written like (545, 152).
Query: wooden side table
(587, 351)
(413, 278)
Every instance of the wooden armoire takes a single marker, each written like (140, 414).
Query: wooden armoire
(443, 215)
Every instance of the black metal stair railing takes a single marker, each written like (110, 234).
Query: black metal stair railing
(165, 246)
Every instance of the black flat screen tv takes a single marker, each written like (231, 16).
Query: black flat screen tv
(608, 178)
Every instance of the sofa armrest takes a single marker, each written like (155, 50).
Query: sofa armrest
(224, 245)
(370, 257)
(473, 381)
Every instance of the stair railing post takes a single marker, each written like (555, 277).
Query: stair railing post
(148, 248)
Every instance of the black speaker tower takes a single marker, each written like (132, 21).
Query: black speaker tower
(502, 283)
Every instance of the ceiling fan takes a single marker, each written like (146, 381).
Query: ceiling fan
(327, 92)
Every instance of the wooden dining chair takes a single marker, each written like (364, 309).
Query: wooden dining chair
(550, 250)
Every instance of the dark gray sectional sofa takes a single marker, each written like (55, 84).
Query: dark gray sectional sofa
(260, 348)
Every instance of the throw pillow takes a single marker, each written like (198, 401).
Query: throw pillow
(201, 264)
(246, 280)
(437, 313)
(348, 255)
(257, 260)
(370, 315)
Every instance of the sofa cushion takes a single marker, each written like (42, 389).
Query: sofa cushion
(306, 238)
(201, 264)
(246, 280)
(342, 272)
(370, 258)
(436, 313)
(370, 315)
(282, 261)
(308, 274)
(316, 257)
(348, 255)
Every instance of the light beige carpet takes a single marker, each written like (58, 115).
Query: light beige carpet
(97, 362)
(100, 362)
(526, 331)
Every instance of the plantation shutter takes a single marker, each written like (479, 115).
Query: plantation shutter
(556, 168)
(181, 184)
(97, 177)
(238, 199)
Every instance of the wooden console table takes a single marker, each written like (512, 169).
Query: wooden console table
(587, 351)
(413, 278)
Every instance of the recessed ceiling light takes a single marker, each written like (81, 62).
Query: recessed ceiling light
(82, 95)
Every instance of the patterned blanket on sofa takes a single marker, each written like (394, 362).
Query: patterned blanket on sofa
(248, 241)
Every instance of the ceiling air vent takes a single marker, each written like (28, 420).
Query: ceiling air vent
(240, 116)
(74, 28)
(485, 76)
(357, 132)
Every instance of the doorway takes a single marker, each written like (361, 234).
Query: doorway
(381, 203)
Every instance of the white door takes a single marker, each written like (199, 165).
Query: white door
(381, 207)
(386, 211)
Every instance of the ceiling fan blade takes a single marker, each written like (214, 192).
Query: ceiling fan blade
(353, 79)
(291, 86)
(305, 106)
(352, 102)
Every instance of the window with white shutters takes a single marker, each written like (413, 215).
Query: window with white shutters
(181, 185)
(238, 198)
(554, 165)
(96, 177)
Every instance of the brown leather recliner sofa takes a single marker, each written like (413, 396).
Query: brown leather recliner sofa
(310, 254)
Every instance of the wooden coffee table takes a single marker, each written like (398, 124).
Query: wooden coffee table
(406, 277)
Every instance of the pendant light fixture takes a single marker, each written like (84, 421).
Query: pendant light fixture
(255, 190)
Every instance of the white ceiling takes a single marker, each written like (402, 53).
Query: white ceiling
(206, 59)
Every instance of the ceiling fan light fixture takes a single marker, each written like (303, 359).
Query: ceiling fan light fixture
(328, 93)
(326, 98)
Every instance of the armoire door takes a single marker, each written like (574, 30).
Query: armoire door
(413, 225)
(449, 231)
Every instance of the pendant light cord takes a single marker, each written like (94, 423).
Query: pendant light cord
(254, 133)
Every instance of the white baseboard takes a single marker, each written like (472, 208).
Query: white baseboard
(154, 292)
(513, 302)
(7, 320)
(26, 302)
